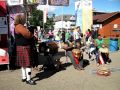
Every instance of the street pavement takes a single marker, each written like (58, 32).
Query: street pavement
(66, 79)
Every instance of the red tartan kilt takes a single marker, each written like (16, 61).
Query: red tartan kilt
(23, 56)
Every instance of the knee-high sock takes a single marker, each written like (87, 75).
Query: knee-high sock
(28, 73)
(23, 73)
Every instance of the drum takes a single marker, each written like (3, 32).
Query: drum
(77, 55)
(103, 56)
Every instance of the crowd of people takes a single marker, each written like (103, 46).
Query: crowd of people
(74, 43)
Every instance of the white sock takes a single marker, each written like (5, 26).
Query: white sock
(28, 73)
(23, 73)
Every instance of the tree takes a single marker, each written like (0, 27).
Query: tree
(49, 24)
(36, 18)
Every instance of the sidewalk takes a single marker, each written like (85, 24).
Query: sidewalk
(69, 79)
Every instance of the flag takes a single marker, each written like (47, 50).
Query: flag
(78, 5)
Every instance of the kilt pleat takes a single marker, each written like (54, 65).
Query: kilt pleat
(23, 56)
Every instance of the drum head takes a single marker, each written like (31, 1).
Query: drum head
(77, 53)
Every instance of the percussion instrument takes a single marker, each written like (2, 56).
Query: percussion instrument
(104, 55)
(77, 53)
(103, 71)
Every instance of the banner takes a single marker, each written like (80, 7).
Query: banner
(78, 13)
(3, 25)
(41, 2)
(87, 16)
(58, 2)
(14, 2)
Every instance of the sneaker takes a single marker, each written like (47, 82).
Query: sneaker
(23, 80)
(31, 82)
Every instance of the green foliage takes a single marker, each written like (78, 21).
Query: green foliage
(49, 24)
(36, 18)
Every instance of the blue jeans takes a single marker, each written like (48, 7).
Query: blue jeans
(69, 54)
(97, 55)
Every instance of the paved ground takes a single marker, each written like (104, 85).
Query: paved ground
(69, 79)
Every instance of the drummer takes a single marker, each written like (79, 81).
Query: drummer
(98, 43)
(69, 47)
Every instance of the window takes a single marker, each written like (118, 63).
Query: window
(115, 26)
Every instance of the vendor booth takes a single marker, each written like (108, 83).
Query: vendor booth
(4, 57)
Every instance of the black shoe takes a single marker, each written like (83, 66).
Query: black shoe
(23, 80)
(31, 82)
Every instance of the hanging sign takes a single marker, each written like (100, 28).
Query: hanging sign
(59, 2)
(14, 2)
(3, 25)
(41, 2)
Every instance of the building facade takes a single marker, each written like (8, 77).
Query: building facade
(108, 24)
(66, 22)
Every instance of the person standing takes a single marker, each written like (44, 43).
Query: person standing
(76, 34)
(23, 51)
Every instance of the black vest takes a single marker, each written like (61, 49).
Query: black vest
(21, 41)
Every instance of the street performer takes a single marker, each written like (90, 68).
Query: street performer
(23, 51)
(75, 55)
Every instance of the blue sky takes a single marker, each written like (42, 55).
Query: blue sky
(99, 5)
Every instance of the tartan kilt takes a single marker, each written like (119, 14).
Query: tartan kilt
(24, 56)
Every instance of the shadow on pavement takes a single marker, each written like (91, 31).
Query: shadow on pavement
(85, 62)
(48, 72)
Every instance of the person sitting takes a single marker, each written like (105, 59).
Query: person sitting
(98, 43)
(74, 54)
